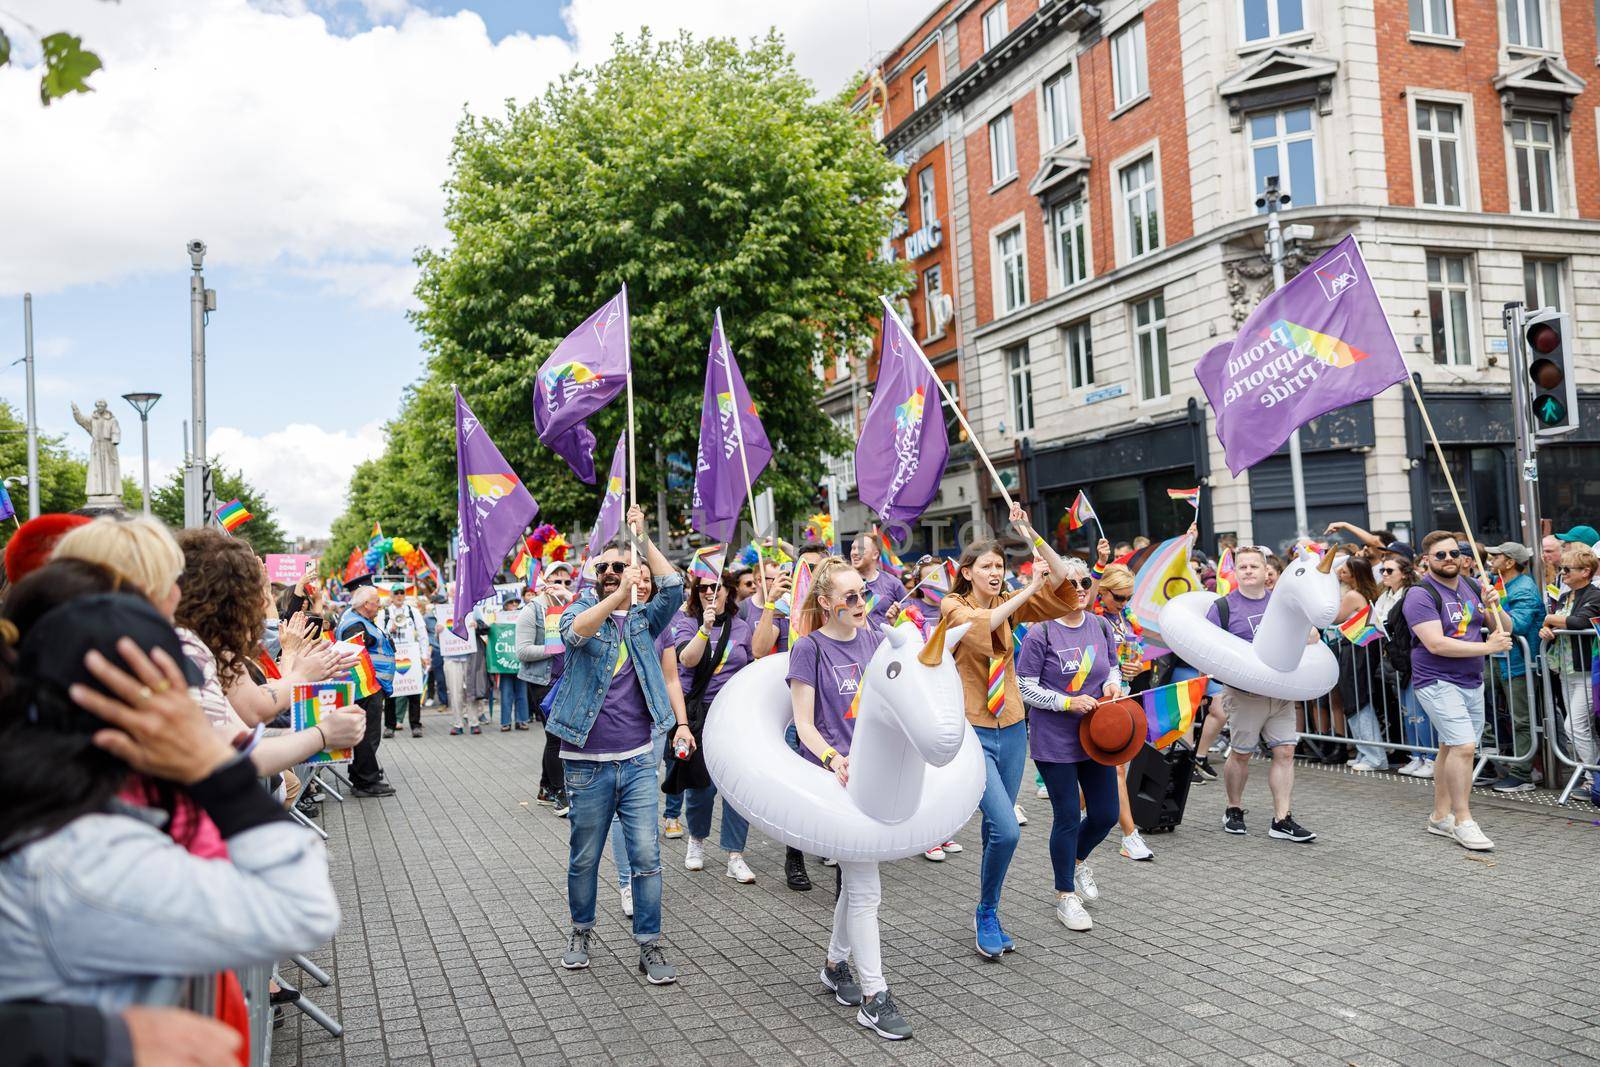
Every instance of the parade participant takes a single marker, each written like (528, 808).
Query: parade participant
(436, 692)
(541, 654)
(1397, 576)
(1255, 719)
(825, 670)
(403, 622)
(458, 664)
(744, 584)
(1446, 617)
(357, 626)
(983, 659)
(612, 692)
(1113, 592)
(865, 553)
(769, 625)
(713, 641)
(1064, 666)
(1358, 666)
(1572, 657)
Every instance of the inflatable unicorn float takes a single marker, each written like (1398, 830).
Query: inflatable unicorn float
(1281, 661)
(916, 767)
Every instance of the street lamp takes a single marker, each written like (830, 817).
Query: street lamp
(142, 403)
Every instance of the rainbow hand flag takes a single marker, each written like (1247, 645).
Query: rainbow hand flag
(1080, 512)
(886, 557)
(364, 675)
(519, 563)
(1494, 593)
(706, 563)
(1358, 628)
(233, 515)
(1227, 577)
(996, 700)
(1191, 496)
(1169, 709)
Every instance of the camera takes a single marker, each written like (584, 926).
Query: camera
(197, 252)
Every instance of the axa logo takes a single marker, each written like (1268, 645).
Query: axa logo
(848, 677)
(1337, 275)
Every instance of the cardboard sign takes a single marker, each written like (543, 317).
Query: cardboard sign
(503, 648)
(409, 667)
(287, 568)
(449, 643)
(312, 703)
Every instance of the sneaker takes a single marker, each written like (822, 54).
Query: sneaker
(1363, 765)
(483, 720)
(388, 732)
(505, 729)
(1469, 835)
(416, 731)
(794, 871)
(376, 789)
(1513, 785)
(1022, 816)
(1134, 848)
(739, 870)
(1411, 767)
(879, 1014)
(477, 729)
(838, 978)
(1006, 944)
(672, 829)
(987, 924)
(1445, 827)
(563, 805)
(626, 892)
(694, 857)
(520, 726)
(1203, 767)
(1070, 910)
(1195, 777)
(455, 731)
(1087, 887)
(1424, 771)
(829, 861)
(1485, 779)
(1286, 829)
(546, 795)
(951, 848)
(1042, 793)
(576, 958)
(654, 966)
(1233, 821)
(936, 854)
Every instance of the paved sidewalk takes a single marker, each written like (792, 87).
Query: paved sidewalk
(1378, 944)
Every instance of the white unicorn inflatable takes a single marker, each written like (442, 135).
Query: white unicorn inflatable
(916, 767)
(1279, 662)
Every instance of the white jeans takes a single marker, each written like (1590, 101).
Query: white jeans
(855, 925)
(1580, 717)
(455, 682)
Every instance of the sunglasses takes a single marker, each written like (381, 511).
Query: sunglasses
(614, 568)
(1571, 570)
(850, 599)
(1452, 554)
(1082, 583)
(1118, 597)
(1388, 570)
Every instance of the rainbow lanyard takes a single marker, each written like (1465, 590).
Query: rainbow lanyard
(997, 685)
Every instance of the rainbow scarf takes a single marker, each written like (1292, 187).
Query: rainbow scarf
(1358, 628)
(1169, 709)
(996, 701)
(1085, 665)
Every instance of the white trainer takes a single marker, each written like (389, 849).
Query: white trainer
(1365, 766)
(739, 870)
(694, 857)
(1470, 835)
(1134, 848)
(1022, 816)
(1445, 827)
(1424, 771)
(1411, 767)
(1069, 909)
(1088, 888)
(951, 848)
(934, 854)
(626, 892)
(1042, 793)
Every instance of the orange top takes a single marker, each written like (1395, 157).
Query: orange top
(980, 645)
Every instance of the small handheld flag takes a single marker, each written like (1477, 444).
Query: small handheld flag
(1358, 628)
(886, 557)
(707, 562)
(1227, 577)
(1080, 512)
(1169, 709)
(8, 510)
(233, 515)
(1192, 496)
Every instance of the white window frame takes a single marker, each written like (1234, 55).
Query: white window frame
(927, 196)
(1447, 287)
(1128, 88)
(1282, 141)
(932, 289)
(1077, 352)
(1519, 9)
(995, 25)
(1427, 29)
(1123, 227)
(1016, 224)
(1274, 29)
(1467, 145)
(1002, 148)
(1430, 144)
(1059, 260)
(1063, 102)
(1543, 284)
(919, 88)
(1153, 333)
(1019, 386)
(1558, 162)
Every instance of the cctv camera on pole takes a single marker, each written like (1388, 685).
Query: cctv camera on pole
(197, 505)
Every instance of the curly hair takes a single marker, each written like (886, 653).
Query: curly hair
(222, 598)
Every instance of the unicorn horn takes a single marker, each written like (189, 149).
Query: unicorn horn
(1325, 565)
(932, 653)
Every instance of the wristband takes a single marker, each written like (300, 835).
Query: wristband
(1038, 542)
(1097, 571)
(772, 605)
(1066, 703)
(702, 633)
(320, 734)
(829, 756)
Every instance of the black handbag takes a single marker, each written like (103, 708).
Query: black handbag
(691, 773)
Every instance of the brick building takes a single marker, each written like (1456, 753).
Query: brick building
(1095, 168)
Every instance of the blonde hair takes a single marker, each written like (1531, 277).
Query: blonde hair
(140, 550)
(809, 617)
(1117, 578)
(1578, 554)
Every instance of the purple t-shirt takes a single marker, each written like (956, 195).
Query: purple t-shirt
(623, 723)
(890, 591)
(1070, 660)
(1461, 617)
(834, 669)
(736, 655)
(1244, 614)
(750, 612)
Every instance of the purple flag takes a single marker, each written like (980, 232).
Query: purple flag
(610, 518)
(727, 415)
(492, 509)
(1319, 343)
(583, 375)
(902, 448)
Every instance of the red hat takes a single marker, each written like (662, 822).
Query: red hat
(1114, 732)
(30, 547)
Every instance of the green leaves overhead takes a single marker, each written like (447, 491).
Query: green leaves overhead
(67, 66)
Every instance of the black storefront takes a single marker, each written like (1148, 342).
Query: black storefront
(1333, 456)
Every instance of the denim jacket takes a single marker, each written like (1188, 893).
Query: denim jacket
(590, 659)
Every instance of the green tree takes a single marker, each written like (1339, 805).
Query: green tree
(67, 64)
(262, 531)
(702, 175)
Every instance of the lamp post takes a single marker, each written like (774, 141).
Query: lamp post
(142, 403)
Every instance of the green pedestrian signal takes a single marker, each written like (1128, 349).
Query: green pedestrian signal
(1553, 391)
(1548, 411)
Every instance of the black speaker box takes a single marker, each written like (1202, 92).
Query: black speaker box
(1158, 787)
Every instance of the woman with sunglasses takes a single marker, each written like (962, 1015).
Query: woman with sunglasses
(1574, 655)
(1396, 576)
(993, 703)
(542, 655)
(1113, 592)
(1357, 690)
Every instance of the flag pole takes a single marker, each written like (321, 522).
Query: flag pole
(744, 459)
(888, 309)
(633, 470)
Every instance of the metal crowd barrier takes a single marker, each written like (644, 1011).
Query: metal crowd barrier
(1569, 705)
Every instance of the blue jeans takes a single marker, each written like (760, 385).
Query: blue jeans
(1363, 725)
(1073, 837)
(1418, 727)
(734, 827)
(1005, 752)
(599, 791)
(513, 697)
(619, 854)
(672, 807)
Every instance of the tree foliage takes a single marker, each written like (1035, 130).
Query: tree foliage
(262, 531)
(67, 64)
(700, 173)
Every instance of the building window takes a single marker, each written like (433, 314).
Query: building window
(1541, 283)
(1013, 270)
(1061, 108)
(1002, 148)
(1533, 144)
(1282, 146)
(932, 290)
(1271, 18)
(1448, 301)
(1150, 340)
(1021, 372)
(1141, 207)
(1069, 241)
(1080, 355)
(994, 25)
(926, 204)
(1129, 78)
(1433, 17)
(919, 88)
(1525, 23)
(1439, 153)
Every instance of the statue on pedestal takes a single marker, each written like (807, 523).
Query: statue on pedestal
(105, 469)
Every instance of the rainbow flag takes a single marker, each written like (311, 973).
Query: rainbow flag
(936, 587)
(707, 562)
(1227, 577)
(364, 675)
(1080, 512)
(886, 557)
(802, 584)
(1192, 496)
(233, 515)
(312, 703)
(1169, 709)
(1495, 593)
(1085, 665)
(1358, 628)
(996, 700)
(519, 563)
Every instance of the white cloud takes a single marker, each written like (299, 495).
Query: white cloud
(303, 470)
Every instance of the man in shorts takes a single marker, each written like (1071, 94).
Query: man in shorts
(1254, 718)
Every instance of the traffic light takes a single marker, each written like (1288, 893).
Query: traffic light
(1553, 385)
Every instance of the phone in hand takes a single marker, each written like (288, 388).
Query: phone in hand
(316, 626)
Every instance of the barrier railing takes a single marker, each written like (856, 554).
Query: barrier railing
(1569, 709)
